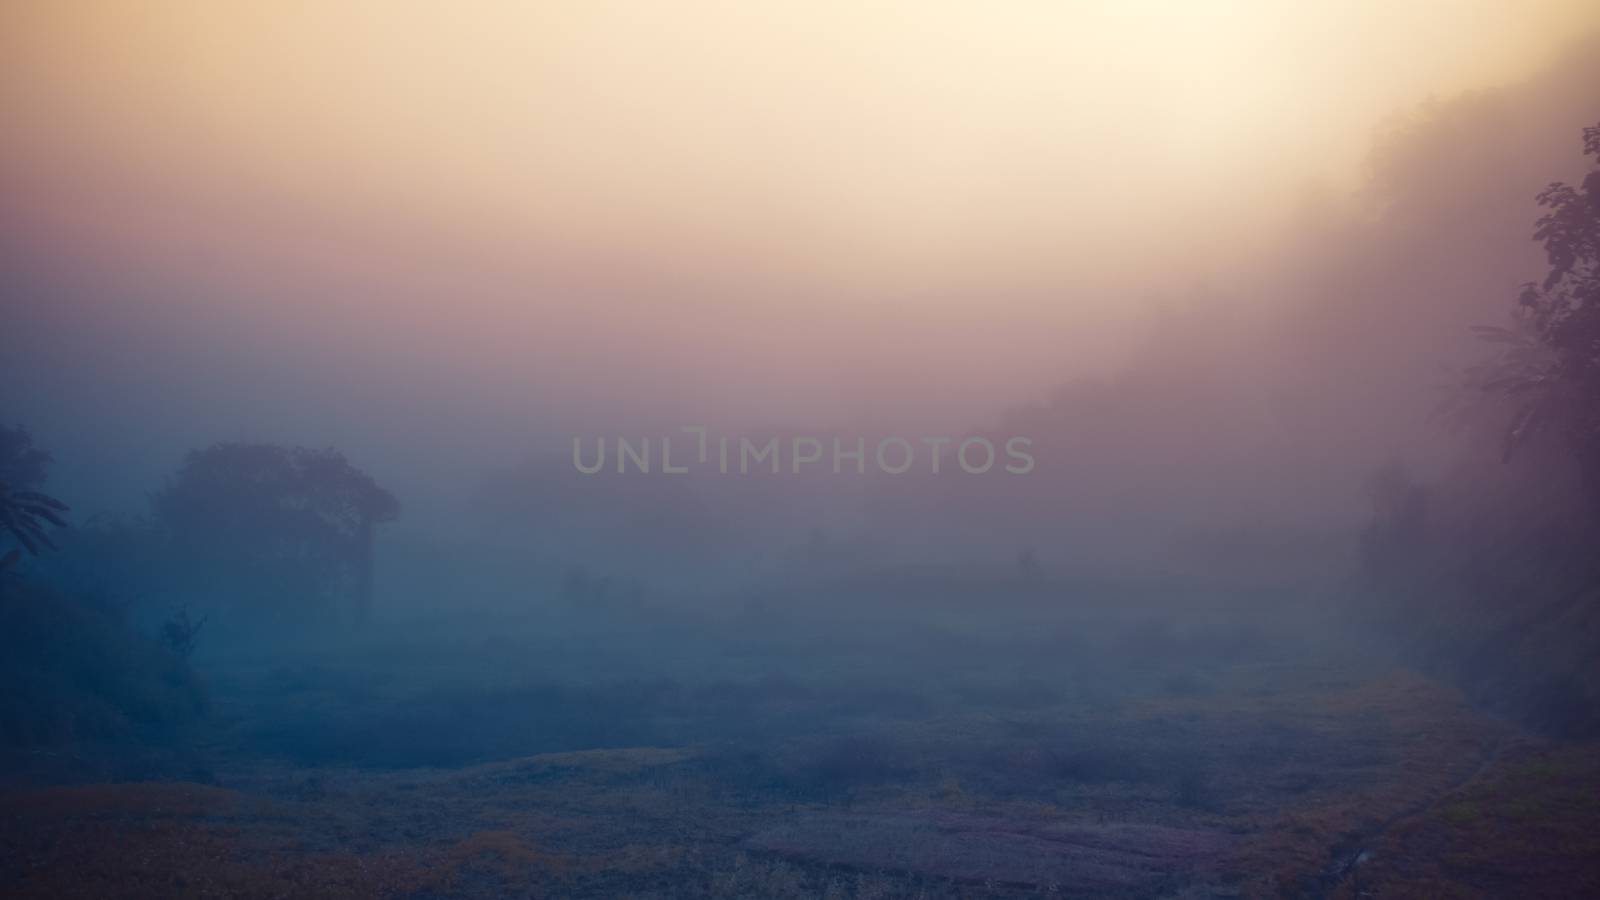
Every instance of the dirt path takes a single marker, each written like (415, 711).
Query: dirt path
(1346, 867)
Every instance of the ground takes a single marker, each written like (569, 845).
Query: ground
(1050, 751)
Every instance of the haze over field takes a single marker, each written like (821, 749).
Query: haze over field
(439, 231)
(1280, 321)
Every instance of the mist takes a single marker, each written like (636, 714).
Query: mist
(803, 449)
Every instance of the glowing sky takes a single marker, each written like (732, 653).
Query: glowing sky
(704, 191)
(869, 137)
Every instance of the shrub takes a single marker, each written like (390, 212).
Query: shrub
(75, 671)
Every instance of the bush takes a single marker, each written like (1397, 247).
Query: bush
(75, 671)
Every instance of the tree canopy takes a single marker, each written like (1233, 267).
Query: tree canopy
(1551, 361)
(24, 511)
(292, 518)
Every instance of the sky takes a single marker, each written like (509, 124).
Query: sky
(877, 143)
(406, 218)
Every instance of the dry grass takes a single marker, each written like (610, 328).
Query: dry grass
(1307, 764)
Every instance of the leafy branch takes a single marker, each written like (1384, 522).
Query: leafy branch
(24, 515)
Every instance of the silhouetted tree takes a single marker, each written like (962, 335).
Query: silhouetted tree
(23, 515)
(271, 511)
(24, 512)
(180, 633)
(1551, 365)
(1399, 516)
(1028, 564)
(22, 466)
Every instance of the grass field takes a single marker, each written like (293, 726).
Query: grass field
(990, 740)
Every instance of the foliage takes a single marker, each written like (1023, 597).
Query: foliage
(22, 465)
(110, 555)
(271, 494)
(1399, 514)
(180, 633)
(1551, 363)
(75, 671)
(23, 514)
(24, 511)
(286, 521)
